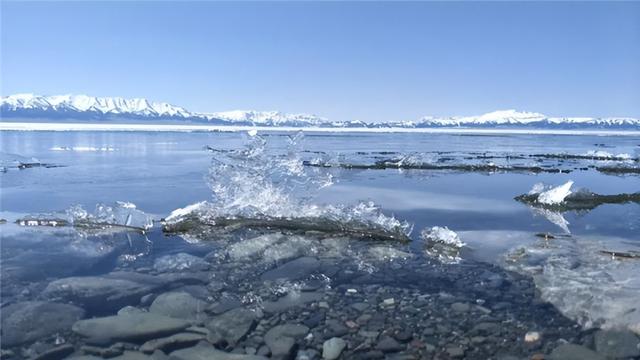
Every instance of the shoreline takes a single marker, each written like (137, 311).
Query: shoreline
(29, 126)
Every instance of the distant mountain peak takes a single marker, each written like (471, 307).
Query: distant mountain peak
(90, 108)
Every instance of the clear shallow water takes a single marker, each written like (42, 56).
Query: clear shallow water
(160, 172)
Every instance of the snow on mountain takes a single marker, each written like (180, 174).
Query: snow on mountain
(513, 118)
(90, 104)
(270, 118)
(82, 107)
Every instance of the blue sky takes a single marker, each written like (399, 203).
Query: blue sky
(370, 61)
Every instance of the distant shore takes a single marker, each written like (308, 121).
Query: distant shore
(32, 126)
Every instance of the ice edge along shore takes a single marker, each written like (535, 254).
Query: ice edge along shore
(29, 126)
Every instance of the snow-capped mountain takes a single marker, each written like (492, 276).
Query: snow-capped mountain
(513, 118)
(88, 108)
(88, 105)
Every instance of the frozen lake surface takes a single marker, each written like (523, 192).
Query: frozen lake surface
(315, 229)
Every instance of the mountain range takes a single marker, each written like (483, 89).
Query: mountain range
(84, 108)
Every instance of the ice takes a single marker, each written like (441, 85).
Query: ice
(608, 155)
(82, 148)
(178, 262)
(443, 244)
(120, 213)
(585, 284)
(554, 195)
(442, 235)
(181, 213)
(251, 183)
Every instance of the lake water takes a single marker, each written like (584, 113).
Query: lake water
(365, 183)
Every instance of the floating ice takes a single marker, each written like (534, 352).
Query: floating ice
(442, 235)
(552, 196)
(601, 154)
(82, 148)
(442, 243)
(118, 214)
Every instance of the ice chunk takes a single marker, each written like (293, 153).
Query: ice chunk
(121, 213)
(442, 243)
(181, 213)
(442, 235)
(555, 195)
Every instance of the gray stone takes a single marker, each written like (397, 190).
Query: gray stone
(617, 343)
(574, 352)
(460, 307)
(281, 339)
(231, 326)
(205, 351)
(173, 342)
(290, 300)
(332, 348)
(130, 310)
(225, 304)
(360, 306)
(133, 355)
(455, 352)
(293, 270)
(58, 352)
(98, 294)
(388, 344)
(33, 320)
(178, 305)
(129, 327)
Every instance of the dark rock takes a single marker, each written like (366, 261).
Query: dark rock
(231, 326)
(204, 351)
(388, 344)
(290, 300)
(296, 269)
(59, 352)
(173, 342)
(574, 352)
(33, 320)
(225, 304)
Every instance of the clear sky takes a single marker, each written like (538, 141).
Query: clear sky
(370, 61)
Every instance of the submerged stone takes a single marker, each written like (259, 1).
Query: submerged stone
(332, 348)
(574, 352)
(296, 269)
(33, 320)
(129, 327)
(281, 339)
(617, 343)
(231, 326)
(204, 351)
(178, 305)
(173, 342)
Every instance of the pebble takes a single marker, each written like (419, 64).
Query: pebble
(388, 302)
(332, 348)
(532, 337)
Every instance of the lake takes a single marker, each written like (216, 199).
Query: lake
(407, 244)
